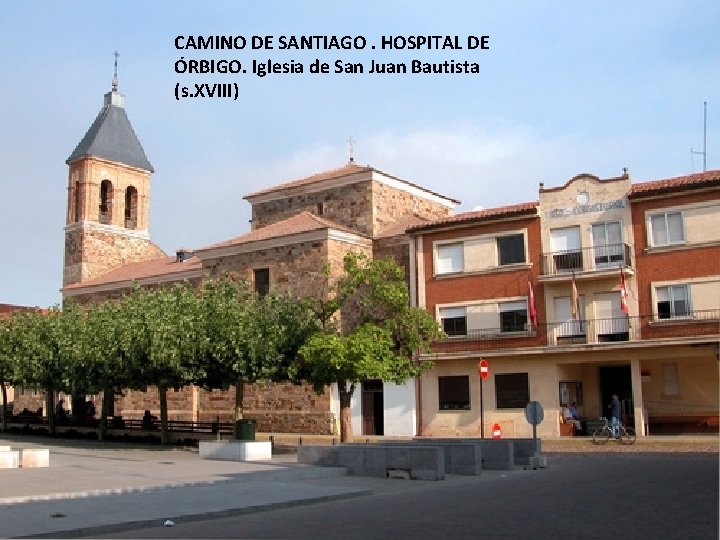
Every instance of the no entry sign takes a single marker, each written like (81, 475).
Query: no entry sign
(483, 369)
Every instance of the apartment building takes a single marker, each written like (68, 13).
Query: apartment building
(600, 287)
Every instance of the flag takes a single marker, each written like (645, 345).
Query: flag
(623, 293)
(531, 305)
(575, 300)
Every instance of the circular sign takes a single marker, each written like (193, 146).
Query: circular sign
(483, 369)
(534, 413)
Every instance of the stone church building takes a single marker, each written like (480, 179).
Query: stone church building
(297, 228)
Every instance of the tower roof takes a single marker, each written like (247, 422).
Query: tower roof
(112, 137)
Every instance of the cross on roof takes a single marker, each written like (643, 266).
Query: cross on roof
(115, 75)
(351, 148)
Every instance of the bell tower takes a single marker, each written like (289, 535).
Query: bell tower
(108, 204)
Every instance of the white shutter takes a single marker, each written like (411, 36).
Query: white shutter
(449, 258)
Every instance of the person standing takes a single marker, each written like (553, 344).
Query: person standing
(615, 412)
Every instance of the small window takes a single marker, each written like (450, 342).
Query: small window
(131, 199)
(105, 202)
(454, 393)
(667, 228)
(512, 391)
(672, 301)
(454, 321)
(262, 281)
(449, 258)
(320, 208)
(511, 249)
(513, 316)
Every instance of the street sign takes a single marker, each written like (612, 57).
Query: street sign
(534, 413)
(483, 369)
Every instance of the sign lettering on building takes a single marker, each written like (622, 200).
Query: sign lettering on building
(585, 209)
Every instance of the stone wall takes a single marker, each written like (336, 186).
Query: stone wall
(395, 248)
(93, 250)
(350, 206)
(390, 205)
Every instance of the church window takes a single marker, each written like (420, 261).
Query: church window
(105, 201)
(262, 280)
(131, 202)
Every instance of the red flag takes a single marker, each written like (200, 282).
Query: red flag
(575, 300)
(623, 293)
(531, 305)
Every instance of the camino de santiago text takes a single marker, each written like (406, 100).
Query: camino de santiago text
(287, 55)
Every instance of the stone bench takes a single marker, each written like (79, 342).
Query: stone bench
(9, 459)
(416, 461)
(236, 450)
(34, 457)
(496, 454)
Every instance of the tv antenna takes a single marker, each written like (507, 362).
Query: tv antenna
(704, 150)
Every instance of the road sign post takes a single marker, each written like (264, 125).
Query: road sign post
(483, 371)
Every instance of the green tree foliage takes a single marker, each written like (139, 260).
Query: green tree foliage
(6, 363)
(379, 335)
(250, 338)
(42, 350)
(164, 341)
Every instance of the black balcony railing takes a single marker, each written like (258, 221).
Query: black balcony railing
(590, 331)
(586, 259)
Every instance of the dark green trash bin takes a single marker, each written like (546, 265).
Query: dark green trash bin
(245, 429)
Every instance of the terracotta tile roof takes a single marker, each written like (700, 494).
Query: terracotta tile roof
(399, 228)
(299, 223)
(678, 183)
(155, 268)
(347, 170)
(488, 214)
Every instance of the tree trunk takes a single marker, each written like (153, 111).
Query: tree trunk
(238, 409)
(163, 415)
(50, 409)
(345, 394)
(104, 412)
(4, 405)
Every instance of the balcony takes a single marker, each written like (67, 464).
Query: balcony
(586, 332)
(598, 258)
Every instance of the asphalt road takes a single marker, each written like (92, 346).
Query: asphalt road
(579, 496)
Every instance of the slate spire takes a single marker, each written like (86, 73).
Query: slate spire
(111, 136)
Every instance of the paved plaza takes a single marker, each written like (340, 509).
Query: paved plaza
(125, 491)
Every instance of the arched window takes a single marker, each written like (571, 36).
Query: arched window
(76, 202)
(131, 202)
(105, 201)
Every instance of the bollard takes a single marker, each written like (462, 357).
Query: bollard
(272, 443)
(299, 441)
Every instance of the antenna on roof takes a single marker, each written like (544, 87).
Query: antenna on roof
(115, 77)
(351, 148)
(704, 150)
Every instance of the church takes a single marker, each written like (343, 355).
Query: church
(297, 229)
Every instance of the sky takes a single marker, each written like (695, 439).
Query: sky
(563, 88)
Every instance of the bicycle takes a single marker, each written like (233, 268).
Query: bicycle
(624, 435)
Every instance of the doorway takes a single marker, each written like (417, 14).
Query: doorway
(372, 407)
(617, 380)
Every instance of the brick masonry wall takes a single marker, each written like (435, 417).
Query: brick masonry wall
(673, 264)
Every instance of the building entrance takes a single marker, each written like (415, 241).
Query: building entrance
(616, 380)
(372, 407)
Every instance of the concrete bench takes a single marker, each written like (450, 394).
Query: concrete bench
(9, 459)
(34, 457)
(496, 454)
(417, 462)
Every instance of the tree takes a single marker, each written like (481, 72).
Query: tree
(164, 341)
(378, 336)
(6, 363)
(43, 345)
(250, 338)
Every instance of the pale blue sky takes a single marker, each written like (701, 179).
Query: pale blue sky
(566, 87)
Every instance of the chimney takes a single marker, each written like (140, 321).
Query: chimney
(183, 255)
